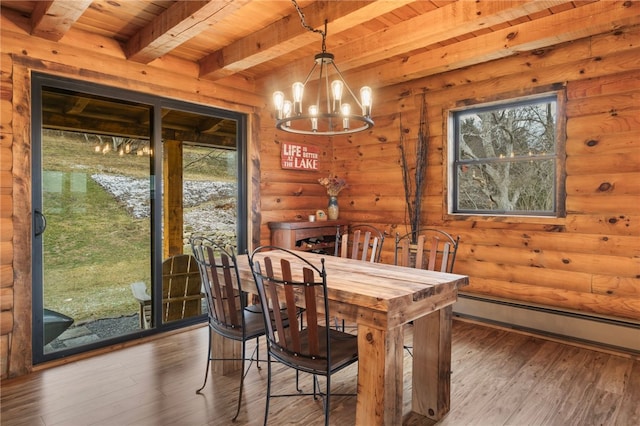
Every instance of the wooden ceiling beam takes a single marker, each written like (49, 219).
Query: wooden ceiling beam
(179, 23)
(288, 34)
(52, 19)
(84, 124)
(442, 24)
(572, 24)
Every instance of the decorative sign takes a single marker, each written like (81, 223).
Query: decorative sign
(299, 157)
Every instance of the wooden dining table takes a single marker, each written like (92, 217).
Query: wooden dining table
(380, 299)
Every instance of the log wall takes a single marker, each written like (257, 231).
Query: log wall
(587, 261)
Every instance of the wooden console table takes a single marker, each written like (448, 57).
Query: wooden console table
(308, 236)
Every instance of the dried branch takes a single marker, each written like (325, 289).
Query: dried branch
(414, 185)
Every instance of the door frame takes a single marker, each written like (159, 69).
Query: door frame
(156, 103)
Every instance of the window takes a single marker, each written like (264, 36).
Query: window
(505, 159)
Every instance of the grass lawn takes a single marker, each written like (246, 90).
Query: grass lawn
(93, 247)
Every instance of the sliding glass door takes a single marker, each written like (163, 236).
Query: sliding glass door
(120, 181)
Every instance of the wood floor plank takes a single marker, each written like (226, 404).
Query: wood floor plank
(499, 378)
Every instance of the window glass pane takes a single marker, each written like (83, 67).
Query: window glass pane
(523, 186)
(504, 132)
(505, 158)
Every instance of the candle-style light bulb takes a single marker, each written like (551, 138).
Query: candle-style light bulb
(313, 112)
(336, 92)
(345, 109)
(286, 112)
(278, 101)
(365, 99)
(298, 91)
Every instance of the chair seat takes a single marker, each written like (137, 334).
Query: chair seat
(254, 326)
(344, 351)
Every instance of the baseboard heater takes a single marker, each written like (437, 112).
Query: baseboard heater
(616, 334)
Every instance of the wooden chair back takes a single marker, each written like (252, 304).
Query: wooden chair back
(428, 248)
(362, 242)
(222, 286)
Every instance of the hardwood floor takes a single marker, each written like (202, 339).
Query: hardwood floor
(499, 378)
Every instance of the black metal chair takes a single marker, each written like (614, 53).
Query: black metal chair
(229, 314)
(314, 347)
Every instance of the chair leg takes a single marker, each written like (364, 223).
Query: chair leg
(327, 398)
(258, 352)
(266, 409)
(206, 373)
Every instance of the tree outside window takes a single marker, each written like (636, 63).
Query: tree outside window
(506, 158)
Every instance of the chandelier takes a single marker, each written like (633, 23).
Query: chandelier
(332, 113)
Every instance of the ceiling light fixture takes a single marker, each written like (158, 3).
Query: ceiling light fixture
(337, 117)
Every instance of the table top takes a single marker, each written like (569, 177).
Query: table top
(387, 289)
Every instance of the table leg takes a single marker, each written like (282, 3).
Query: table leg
(431, 390)
(225, 348)
(379, 376)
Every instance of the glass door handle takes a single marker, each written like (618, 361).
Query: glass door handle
(39, 223)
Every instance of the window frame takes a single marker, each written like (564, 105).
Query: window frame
(506, 101)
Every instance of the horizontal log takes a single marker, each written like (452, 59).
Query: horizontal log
(6, 136)
(4, 357)
(607, 225)
(6, 275)
(610, 84)
(6, 67)
(609, 183)
(566, 280)
(296, 189)
(6, 92)
(6, 222)
(605, 143)
(604, 163)
(6, 211)
(303, 204)
(605, 122)
(560, 260)
(6, 322)
(6, 115)
(6, 158)
(617, 307)
(604, 104)
(617, 286)
(539, 240)
(6, 298)
(604, 203)
(6, 252)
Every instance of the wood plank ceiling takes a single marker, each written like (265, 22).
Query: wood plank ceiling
(259, 38)
(263, 41)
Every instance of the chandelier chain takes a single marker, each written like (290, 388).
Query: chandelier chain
(309, 28)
